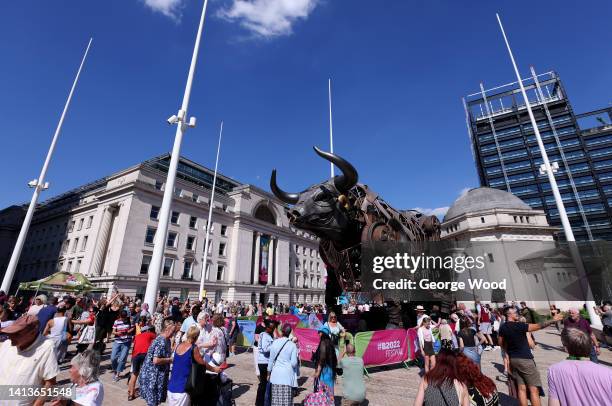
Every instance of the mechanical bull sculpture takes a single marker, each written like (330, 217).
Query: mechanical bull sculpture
(344, 215)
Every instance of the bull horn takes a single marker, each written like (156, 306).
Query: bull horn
(349, 176)
(291, 198)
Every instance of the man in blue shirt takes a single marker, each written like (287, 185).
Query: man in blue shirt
(46, 313)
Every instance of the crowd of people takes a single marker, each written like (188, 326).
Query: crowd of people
(178, 351)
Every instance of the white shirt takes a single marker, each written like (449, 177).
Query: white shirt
(32, 366)
(89, 395)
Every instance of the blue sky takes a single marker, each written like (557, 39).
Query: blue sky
(399, 70)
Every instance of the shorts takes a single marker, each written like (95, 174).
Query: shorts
(485, 328)
(525, 372)
(428, 348)
(137, 362)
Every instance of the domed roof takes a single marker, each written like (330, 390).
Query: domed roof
(484, 198)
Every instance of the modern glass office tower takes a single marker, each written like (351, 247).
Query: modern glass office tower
(507, 155)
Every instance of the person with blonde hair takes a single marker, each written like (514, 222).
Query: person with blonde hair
(426, 343)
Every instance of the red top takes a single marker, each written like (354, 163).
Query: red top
(142, 342)
(484, 315)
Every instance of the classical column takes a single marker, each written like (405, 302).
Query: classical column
(102, 241)
(270, 260)
(257, 249)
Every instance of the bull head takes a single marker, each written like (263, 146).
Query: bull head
(320, 209)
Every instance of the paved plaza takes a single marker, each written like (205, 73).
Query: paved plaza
(385, 386)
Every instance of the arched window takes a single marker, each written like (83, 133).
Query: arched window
(265, 214)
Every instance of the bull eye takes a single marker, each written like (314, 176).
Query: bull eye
(321, 197)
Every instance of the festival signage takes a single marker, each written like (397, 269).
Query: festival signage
(383, 347)
(413, 343)
(264, 252)
(246, 338)
(308, 341)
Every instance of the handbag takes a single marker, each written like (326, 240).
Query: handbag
(88, 335)
(320, 397)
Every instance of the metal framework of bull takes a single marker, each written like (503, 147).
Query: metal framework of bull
(345, 215)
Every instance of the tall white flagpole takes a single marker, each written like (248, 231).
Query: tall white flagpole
(39, 185)
(164, 214)
(331, 129)
(546, 167)
(211, 204)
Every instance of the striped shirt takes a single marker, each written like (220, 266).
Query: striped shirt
(122, 334)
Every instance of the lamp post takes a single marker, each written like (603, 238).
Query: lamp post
(39, 185)
(211, 203)
(550, 172)
(180, 119)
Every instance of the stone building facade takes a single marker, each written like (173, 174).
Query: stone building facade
(105, 230)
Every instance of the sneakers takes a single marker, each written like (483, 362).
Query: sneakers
(115, 377)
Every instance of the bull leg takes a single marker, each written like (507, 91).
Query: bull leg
(332, 291)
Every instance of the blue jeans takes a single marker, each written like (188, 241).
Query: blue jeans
(119, 356)
(593, 355)
(472, 353)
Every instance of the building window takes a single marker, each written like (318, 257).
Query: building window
(304, 250)
(174, 219)
(190, 243)
(75, 244)
(71, 227)
(209, 247)
(297, 248)
(311, 252)
(297, 280)
(220, 270)
(81, 221)
(168, 266)
(178, 192)
(527, 219)
(89, 221)
(482, 220)
(65, 246)
(154, 215)
(195, 198)
(193, 222)
(77, 268)
(69, 267)
(159, 185)
(172, 239)
(144, 266)
(515, 219)
(150, 235)
(84, 245)
(222, 249)
(207, 273)
(223, 230)
(187, 270)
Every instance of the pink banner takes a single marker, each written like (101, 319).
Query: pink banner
(413, 343)
(382, 347)
(308, 341)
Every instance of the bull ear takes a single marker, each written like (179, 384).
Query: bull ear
(349, 176)
(290, 198)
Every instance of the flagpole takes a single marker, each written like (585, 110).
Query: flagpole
(211, 204)
(180, 119)
(331, 130)
(39, 185)
(548, 169)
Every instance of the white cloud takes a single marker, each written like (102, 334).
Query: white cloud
(268, 18)
(169, 8)
(438, 211)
